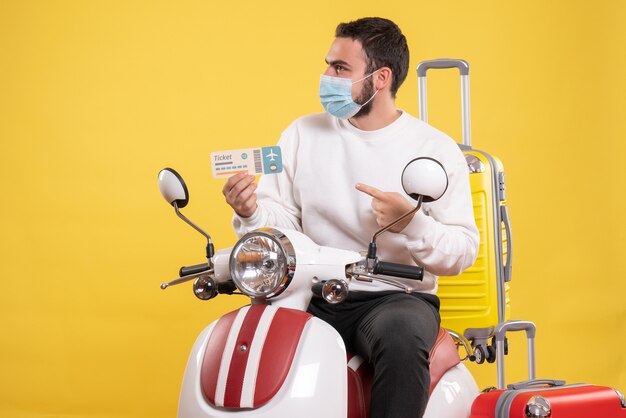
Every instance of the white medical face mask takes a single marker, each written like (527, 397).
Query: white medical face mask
(336, 96)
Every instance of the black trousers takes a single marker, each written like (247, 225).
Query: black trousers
(395, 332)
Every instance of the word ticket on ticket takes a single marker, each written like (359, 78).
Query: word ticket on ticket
(265, 160)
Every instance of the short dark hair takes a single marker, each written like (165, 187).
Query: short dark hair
(383, 43)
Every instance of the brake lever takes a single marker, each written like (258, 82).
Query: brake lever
(367, 277)
(186, 278)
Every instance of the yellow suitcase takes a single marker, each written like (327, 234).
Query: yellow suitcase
(476, 301)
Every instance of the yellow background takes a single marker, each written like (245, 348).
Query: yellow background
(97, 96)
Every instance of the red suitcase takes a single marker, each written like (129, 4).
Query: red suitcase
(543, 398)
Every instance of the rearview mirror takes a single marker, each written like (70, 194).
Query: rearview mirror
(425, 177)
(174, 191)
(425, 180)
(173, 188)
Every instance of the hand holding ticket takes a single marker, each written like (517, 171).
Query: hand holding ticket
(264, 160)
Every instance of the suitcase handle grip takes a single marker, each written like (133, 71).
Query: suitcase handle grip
(463, 67)
(536, 382)
(506, 220)
(500, 335)
(441, 63)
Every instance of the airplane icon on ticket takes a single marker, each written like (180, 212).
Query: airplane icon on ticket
(272, 156)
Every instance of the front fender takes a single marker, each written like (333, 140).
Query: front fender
(221, 378)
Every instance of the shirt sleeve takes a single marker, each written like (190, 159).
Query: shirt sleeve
(442, 237)
(276, 204)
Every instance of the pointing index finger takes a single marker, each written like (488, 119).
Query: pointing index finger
(370, 190)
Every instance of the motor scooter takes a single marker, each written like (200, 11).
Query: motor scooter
(273, 359)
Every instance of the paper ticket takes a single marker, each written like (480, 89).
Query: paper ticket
(264, 160)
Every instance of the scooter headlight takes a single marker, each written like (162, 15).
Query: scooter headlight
(262, 263)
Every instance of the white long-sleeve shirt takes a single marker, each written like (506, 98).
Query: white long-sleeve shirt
(324, 157)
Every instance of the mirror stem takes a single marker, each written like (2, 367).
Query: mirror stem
(209, 247)
(371, 252)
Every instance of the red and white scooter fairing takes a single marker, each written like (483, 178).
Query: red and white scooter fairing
(272, 358)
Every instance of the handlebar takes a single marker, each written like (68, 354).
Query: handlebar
(195, 269)
(399, 270)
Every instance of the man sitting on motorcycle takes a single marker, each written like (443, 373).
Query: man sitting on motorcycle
(341, 182)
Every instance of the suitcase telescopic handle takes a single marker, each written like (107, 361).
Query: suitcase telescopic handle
(443, 63)
(424, 66)
(500, 335)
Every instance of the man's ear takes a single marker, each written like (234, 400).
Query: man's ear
(383, 78)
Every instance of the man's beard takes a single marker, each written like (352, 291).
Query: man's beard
(366, 94)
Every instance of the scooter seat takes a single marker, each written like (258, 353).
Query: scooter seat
(443, 356)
